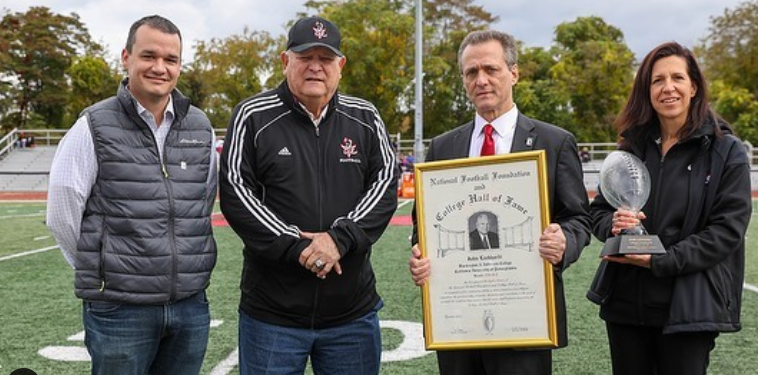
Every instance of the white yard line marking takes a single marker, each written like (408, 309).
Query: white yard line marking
(79, 336)
(403, 203)
(12, 256)
(227, 365)
(25, 253)
(17, 216)
(750, 287)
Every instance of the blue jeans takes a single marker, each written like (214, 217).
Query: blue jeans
(354, 348)
(126, 339)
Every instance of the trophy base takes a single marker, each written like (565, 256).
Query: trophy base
(632, 244)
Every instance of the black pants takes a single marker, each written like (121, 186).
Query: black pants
(495, 362)
(639, 350)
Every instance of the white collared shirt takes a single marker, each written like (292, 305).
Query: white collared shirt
(505, 128)
(316, 120)
(73, 173)
(160, 132)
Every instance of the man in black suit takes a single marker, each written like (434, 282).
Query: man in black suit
(482, 237)
(488, 62)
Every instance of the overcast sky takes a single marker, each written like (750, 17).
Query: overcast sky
(645, 23)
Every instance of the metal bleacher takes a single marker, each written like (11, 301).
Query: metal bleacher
(26, 169)
(597, 153)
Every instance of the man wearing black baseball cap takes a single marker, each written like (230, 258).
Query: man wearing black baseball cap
(314, 32)
(309, 183)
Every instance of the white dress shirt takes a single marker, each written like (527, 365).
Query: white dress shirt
(316, 120)
(486, 241)
(505, 128)
(74, 171)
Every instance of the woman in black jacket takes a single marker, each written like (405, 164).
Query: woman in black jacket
(664, 312)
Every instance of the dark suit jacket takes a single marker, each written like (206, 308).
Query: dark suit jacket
(568, 202)
(476, 243)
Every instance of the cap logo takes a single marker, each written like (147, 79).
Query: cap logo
(319, 31)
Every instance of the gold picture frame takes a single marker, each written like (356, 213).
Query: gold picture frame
(479, 223)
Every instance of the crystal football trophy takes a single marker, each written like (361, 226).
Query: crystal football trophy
(625, 184)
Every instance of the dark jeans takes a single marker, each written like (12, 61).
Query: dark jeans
(495, 362)
(637, 350)
(353, 348)
(128, 339)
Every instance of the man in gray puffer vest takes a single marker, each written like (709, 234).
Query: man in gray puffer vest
(130, 198)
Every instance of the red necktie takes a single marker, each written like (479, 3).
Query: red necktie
(488, 147)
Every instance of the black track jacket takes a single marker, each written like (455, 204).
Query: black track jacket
(700, 207)
(281, 175)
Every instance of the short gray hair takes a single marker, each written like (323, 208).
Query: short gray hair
(507, 41)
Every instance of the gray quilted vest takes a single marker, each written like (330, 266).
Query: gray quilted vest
(146, 235)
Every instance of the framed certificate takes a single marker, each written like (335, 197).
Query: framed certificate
(479, 223)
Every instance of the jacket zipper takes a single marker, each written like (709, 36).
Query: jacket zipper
(641, 293)
(320, 217)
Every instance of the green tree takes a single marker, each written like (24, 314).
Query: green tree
(730, 50)
(226, 71)
(6, 101)
(447, 22)
(38, 47)
(738, 107)
(192, 85)
(536, 93)
(92, 80)
(729, 56)
(377, 41)
(595, 68)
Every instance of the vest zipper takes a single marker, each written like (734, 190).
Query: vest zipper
(171, 219)
(172, 240)
(101, 270)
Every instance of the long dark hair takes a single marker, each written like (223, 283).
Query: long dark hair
(638, 116)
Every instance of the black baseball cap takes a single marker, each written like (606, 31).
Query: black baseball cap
(311, 32)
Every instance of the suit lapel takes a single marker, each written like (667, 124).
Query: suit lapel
(462, 140)
(525, 137)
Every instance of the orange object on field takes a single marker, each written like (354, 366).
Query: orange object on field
(407, 188)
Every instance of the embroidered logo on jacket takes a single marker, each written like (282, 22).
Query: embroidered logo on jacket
(191, 141)
(349, 149)
(285, 152)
